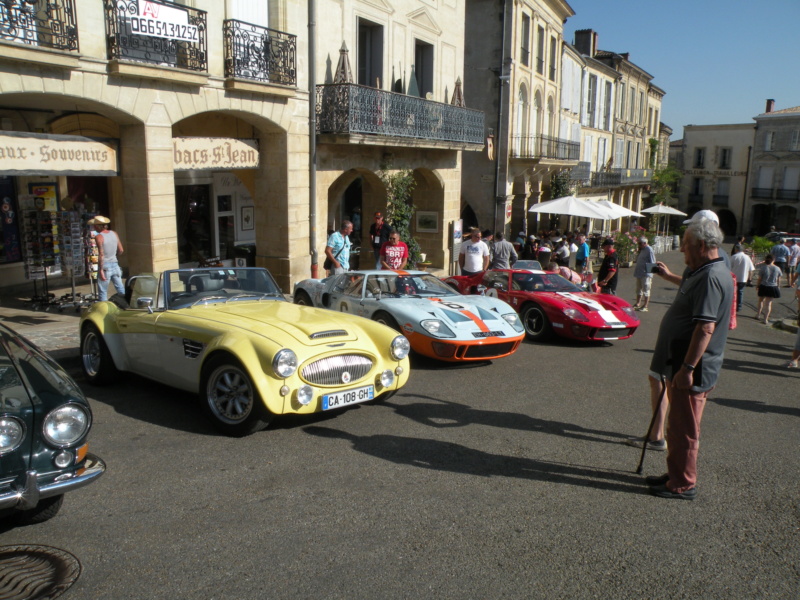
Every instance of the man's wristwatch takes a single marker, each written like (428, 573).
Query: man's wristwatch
(688, 367)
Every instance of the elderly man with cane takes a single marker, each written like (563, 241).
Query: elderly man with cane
(689, 352)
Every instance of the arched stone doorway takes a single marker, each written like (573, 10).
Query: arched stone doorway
(727, 222)
(430, 225)
(229, 212)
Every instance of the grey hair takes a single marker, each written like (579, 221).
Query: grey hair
(345, 225)
(708, 232)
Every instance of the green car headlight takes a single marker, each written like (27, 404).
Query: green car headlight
(285, 363)
(12, 432)
(66, 425)
(400, 347)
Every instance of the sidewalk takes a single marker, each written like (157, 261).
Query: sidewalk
(54, 331)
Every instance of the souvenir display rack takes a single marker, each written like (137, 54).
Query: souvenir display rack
(42, 253)
(73, 257)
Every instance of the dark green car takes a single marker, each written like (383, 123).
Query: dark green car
(44, 423)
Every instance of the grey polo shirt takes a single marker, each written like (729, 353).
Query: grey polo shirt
(705, 295)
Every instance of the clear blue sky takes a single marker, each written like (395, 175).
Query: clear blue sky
(717, 60)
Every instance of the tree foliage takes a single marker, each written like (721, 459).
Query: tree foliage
(400, 207)
(560, 185)
(663, 184)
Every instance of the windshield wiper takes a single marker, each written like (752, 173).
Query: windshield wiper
(207, 298)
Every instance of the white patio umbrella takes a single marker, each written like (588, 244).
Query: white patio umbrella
(570, 205)
(618, 211)
(662, 209)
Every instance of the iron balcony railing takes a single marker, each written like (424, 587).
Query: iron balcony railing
(621, 177)
(581, 173)
(762, 193)
(258, 53)
(543, 146)
(606, 179)
(788, 194)
(720, 200)
(349, 108)
(52, 24)
(174, 36)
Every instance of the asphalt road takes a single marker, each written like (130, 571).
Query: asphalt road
(501, 480)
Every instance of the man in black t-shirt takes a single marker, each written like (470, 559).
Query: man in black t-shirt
(378, 236)
(607, 277)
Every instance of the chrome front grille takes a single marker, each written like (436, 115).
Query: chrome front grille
(326, 334)
(329, 371)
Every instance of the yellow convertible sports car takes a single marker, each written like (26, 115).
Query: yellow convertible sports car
(229, 334)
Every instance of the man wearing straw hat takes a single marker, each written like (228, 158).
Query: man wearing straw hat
(108, 247)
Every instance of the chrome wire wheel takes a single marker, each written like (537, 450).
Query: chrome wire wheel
(230, 394)
(90, 353)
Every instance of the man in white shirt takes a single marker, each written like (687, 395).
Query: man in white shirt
(794, 255)
(474, 256)
(742, 267)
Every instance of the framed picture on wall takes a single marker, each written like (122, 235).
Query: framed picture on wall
(248, 218)
(427, 221)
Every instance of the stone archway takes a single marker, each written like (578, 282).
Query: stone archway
(727, 222)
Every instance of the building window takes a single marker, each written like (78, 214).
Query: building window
(795, 145)
(632, 114)
(607, 111)
(725, 158)
(525, 46)
(697, 186)
(10, 240)
(423, 57)
(621, 102)
(641, 108)
(722, 193)
(619, 154)
(540, 51)
(370, 53)
(553, 58)
(770, 141)
(591, 102)
(699, 158)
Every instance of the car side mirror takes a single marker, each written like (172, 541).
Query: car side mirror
(145, 302)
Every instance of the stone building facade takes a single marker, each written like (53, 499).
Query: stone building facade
(204, 108)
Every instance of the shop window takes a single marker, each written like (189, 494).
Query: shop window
(10, 240)
(193, 210)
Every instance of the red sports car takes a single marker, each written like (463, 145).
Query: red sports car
(549, 304)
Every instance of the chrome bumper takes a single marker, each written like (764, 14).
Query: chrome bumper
(28, 495)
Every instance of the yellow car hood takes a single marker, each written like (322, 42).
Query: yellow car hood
(272, 319)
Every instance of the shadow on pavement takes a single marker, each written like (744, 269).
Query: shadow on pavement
(444, 413)
(756, 406)
(455, 458)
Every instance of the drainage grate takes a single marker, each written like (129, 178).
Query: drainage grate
(36, 572)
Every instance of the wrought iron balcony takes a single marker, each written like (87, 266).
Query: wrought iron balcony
(258, 53)
(788, 194)
(346, 108)
(543, 146)
(52, 24)
(581, 173)
(720, 200)
(765, 193)
(177, 41)
(606, 179)
(635, 176)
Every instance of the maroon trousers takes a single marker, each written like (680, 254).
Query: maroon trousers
(683, 437)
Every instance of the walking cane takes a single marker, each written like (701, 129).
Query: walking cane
(652, 421)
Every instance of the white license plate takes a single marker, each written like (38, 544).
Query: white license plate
(341, 399)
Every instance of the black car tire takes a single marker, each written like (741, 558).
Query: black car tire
(96, 360)
(302, 299)
(44, 511)
(537, 325)
(230, 399)
(386, 319)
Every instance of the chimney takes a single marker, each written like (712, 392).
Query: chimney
(770, 104)
(586, 41)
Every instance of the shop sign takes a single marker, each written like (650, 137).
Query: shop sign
(198, 153)
(38, 154)
(157, 20)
